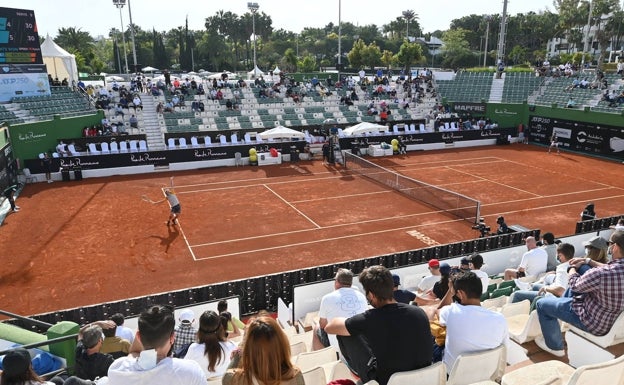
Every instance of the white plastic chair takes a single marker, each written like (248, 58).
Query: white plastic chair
(114, 148)
(247, 137)
(207, 141)
(72, 150)
(182, 142)
(223, 140)
(142, 145)
(238, 160)
(123, 146)
(310, 360)
(234, 139)
(297, 348)
(171, 143)
(105, 148)
(434, 374)
(486, 365)
(93, 149)
(194, 142)
(28, 176)
(314, 376)
(133, 146)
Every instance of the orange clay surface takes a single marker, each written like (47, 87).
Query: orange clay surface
(81, 243)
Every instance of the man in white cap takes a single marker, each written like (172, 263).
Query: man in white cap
(185, 332)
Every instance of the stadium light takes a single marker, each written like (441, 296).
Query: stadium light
(134, 57)
(120, 4)
(253, 8)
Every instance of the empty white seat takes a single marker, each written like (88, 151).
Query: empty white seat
(314, 376)
(310, 360)
(234, 139)
(171, 143)
(123, 146)
(105, 148)
(485, 365)
(114, 148)
(93, 149)
(223, 140)
(133, 146)
(142, 145)
(194, 142)
(182, 142)
(207, 140)
(434, 374)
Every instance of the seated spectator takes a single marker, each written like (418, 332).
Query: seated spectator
(17, 369)
(91, 362)
(123, 102)
(185, 332)
(168, 107)
(228, 105)
(201, 106)
(149, 361)
(213, 351)
(435, 295)
(160, 108)
(175, 100)
(134, 122)
(475, 263)
(595, 305)
(119, 111)
(406, 326)
(533, 262)
(469, 327)
(265, 357)
(138, 103)
(427, 283)
(233, 322)
(548, 244)
(400, 295)
(61, 149)
(122, 331)
(551, 284)
(114, 345)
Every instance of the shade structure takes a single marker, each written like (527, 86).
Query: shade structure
(281, 132)
(363, 128)
(149, 69)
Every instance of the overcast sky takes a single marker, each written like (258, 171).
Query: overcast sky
(99, 16)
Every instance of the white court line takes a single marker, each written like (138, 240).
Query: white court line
(293, 207)
(326, 239)
(491, 181)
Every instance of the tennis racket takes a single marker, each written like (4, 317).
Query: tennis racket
(146, 199)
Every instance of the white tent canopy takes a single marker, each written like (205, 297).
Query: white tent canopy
(60, 63)
(364, 128)
(281, 132)
(277, 71)
(149, 69)
(255, 72)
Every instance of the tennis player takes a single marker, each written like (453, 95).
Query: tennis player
(554, 142)
(174, 203)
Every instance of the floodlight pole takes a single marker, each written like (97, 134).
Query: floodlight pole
(134, 56)
(120, 4)
(253, 7)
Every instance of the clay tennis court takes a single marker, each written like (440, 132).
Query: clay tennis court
(80, 243)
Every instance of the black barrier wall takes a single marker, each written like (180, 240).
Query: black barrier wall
(262, 292)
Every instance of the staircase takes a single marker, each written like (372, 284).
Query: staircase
(496, 91)
(150, 126)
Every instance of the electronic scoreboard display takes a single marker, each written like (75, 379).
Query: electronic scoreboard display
(19, 40)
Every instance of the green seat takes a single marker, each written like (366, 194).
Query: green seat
(506, 291)
(505, 284)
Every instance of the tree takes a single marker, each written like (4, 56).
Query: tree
(356, 55)
(289, 61)
(388, 59)
(409, 54)
(518, 55)
(372, 55)
(456, 52)
(307, 64)
(77, 42)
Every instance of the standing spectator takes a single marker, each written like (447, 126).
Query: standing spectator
(8, 194)
(149, 361)
(46, 162)
(532, 264)
(596, 305)
(213, 350)
(426, 284)
(344, 301)
(185, 331)
(265, 358)
(395, 334)
(469, 327)
(588, 213)
(400, 295)
(122, 331)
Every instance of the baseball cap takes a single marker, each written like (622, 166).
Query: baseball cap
(596, 241)
(187, 316)
(464, 261)
(15, 362)
(396, 279)
(445, 268)
(434, 263)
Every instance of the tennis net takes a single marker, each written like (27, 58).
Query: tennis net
(448, 201)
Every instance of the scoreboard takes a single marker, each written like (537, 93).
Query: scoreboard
(19, 40)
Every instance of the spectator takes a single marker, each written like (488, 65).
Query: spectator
(502, 226)
(134, 122)
(400, 295)
(426, 284)
(588, 213)
(91, 362)
(61, 149)
(138, 103)
(122, 331)
(185, 332)
(8, 193)
(469, 327)
(332, 306)
(149, 361)
(395, 334)
(548, 244)
(213, 350)
(532, 264)
(233, 323)
(475, 263)
(439, 289)
(114, 345)
(17, 369)
(551, 284)
(596, 305)
(265, 357)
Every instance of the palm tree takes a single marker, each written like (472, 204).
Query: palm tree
(409, 15)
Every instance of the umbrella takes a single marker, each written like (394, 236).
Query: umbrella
(364, 127)
(281, 132)
(149, 69)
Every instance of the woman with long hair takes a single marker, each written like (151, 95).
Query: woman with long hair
(17, 369)
(265, 357)
(435, 295)
(213, 350)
